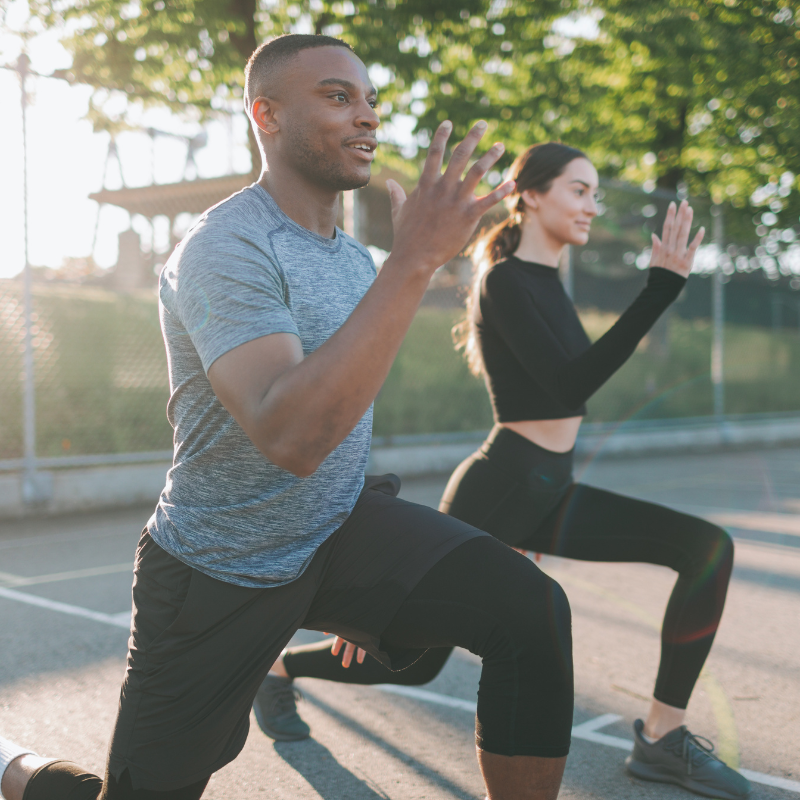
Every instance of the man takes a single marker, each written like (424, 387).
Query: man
(279, 337)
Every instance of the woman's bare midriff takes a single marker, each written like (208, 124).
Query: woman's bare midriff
(558, 435)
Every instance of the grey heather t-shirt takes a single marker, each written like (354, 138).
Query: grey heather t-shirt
(246, 270)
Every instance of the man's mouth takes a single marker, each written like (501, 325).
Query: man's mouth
(364, 147)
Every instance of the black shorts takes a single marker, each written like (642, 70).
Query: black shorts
(200, 648)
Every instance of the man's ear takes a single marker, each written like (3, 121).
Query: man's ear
(263, 114)
(531, 199)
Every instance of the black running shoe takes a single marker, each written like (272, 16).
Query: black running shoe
(682, 758)
(275, 708)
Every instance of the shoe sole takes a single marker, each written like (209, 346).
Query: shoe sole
(650, 772)
(276, 735)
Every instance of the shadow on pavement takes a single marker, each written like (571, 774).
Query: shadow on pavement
(425, 771)
(324, 773)
(762, 577)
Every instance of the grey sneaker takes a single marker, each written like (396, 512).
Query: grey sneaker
(682, 758)
(275, 708)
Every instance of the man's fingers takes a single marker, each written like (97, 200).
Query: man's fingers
(396, 194)
(483, 204)
(361, 655)
(433, 161)
(482, 166)
(337, 646)
(464, 150)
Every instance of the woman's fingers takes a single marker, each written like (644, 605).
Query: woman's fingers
(669, 224)
(347, 658)
(684, 226)
(671, 243)
(696, 242)
(655, 255)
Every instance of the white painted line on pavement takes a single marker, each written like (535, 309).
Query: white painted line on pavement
(588, 731)
(65, 608)
(75, 574)
(429, 697)
(771, 780)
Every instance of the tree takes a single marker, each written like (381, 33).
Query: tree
(191, 53)
(694, 92)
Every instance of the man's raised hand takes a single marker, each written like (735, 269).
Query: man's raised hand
(435, 222)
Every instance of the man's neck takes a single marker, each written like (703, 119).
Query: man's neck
(309, 206)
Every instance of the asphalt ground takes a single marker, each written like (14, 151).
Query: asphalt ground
(65, 599)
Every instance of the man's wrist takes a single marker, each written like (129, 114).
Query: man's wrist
(413, 268)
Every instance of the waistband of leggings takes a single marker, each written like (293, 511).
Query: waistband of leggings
(519, 455)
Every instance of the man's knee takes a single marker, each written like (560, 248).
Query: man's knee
(534, 624)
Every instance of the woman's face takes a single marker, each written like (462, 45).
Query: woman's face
(565, 212)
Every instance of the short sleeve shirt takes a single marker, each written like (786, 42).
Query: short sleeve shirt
(244, 271)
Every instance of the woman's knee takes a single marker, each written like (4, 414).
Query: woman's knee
(711, 549)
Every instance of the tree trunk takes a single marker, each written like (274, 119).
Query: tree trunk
(245, 43)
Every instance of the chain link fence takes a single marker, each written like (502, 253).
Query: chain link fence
(100, 372)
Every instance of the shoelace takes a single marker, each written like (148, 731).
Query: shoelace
(285, 699)
(693, 750)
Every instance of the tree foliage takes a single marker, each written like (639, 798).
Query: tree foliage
(695, 92)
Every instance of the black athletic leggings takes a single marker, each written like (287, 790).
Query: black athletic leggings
(525, 496)
(479, 596)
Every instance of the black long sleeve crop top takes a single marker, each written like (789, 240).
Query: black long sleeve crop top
(538, 360)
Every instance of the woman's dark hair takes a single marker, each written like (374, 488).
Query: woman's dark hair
(535, 169)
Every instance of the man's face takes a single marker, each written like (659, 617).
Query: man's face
(325, 109)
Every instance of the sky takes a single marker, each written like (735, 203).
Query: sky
(66, 160)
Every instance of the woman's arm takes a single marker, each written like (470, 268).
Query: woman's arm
(573, 380)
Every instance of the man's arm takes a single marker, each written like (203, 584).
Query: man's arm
(297, 410)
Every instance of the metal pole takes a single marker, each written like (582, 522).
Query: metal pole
(718, 312)
(30, 482)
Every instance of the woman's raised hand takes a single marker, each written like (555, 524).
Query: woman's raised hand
(673, 251)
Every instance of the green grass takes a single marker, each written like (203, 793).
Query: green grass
(101, 375)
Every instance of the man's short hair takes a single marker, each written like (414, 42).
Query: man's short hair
(270, 56)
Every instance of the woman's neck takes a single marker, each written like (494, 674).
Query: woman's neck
(537, 245)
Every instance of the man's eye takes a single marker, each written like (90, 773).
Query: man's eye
(340, 96)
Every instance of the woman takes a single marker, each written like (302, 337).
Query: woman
(523, 335)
